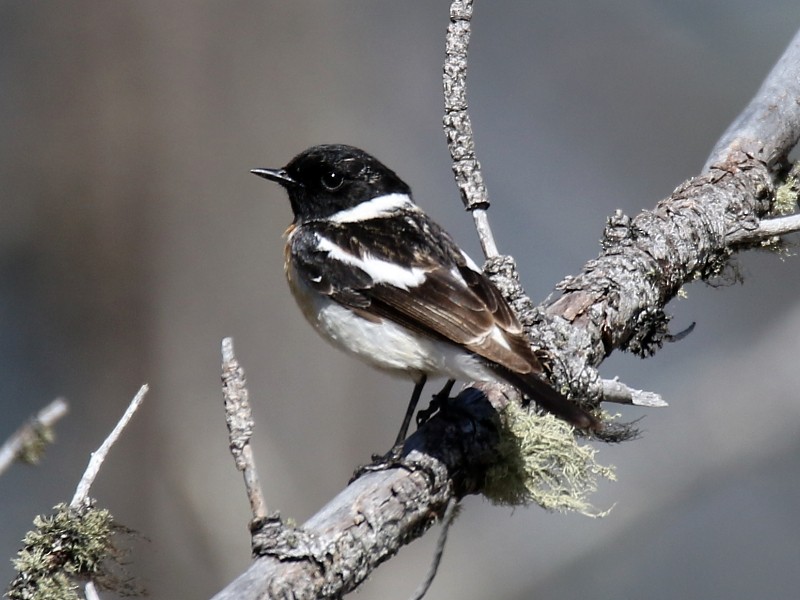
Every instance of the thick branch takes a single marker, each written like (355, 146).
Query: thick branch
(617, 301)
(770, 124)
(376, 514)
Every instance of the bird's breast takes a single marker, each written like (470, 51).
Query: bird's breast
(380, 342)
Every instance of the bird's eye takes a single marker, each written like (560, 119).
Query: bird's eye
(332, 180)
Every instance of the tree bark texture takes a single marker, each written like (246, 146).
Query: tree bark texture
(616, 302)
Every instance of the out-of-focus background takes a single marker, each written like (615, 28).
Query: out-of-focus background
(132, 239)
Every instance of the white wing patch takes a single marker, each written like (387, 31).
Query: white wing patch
(471, 263)
(380, 206)
(495, 333)
(381, 271)
(499, 336)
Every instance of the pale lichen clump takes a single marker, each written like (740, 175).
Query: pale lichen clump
(542, 463)
(786, 196)
(67, 547)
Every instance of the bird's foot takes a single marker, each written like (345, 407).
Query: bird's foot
(438, 403)
(381, 462)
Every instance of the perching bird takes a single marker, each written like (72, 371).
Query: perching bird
(381, 280)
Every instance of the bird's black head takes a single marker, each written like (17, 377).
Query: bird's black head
(325, 179)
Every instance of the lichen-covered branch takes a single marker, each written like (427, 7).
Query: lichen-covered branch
(376, 514)
(28, 443)
(616, 302)
(454, 454)
(618, 299)
(78, 541)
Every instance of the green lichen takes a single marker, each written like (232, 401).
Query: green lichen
(69, 545)
(542, 463)
(786, 195)
(35, 444)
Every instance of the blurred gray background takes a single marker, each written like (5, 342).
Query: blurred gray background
(133, 239)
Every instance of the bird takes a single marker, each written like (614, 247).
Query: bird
(381, 280)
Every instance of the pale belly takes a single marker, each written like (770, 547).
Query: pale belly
(384, 344)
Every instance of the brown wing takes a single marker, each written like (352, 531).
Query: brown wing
(447, 298)
(465, 310)
(426, 285)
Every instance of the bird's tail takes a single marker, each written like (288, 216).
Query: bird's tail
(551, 400)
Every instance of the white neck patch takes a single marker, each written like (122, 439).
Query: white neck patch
(380, 206)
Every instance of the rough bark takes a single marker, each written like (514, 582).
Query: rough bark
(376, 514)
(616, 302)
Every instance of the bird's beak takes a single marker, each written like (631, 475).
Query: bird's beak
(277, 175)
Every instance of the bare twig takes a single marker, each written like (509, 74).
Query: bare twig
(766, 229)
(90, 591)
(616, 391)
(449, 517)
(458, 127)
(96, 461)
(28, 442)
(239, 418)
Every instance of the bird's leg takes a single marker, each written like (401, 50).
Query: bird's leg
(412, 406)
(392, 458)
(437, 403)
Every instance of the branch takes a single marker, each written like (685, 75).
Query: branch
(616, 391)
(28, 442)
(75, 542)
(450, 514)
(96, 461)
(458, 126)
(766, 229)
(368, 522)
(616, 302)
(769, 127)
(239, 418)
(90, 591)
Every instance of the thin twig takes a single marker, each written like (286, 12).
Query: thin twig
(449, 517)
(90, 591)
(96, 461)
(239, 418)
(458, 127)
(32, 435)
(616, 391)
(766, 229)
